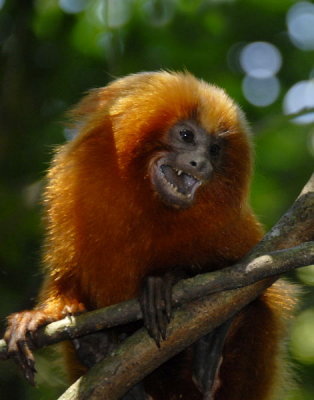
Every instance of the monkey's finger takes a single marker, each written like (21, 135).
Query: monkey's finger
(26, 361)
(153, 311)
(16, 329)
(143, 303)
(168, 299)
(162, 321)
(15, 333)
(23, 357)
(7, 334)
(207, 359)
(32, 326)
(148, 306)
(19, 340)
(36, 319)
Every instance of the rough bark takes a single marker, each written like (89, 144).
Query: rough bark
(241, 274)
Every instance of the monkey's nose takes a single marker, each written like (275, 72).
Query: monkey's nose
(201, 165)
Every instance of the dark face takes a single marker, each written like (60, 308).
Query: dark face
(192, 156)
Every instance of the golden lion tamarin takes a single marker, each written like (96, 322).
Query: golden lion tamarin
(157, 179)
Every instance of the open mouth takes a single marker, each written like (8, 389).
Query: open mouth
(180, 182)
(175, 186)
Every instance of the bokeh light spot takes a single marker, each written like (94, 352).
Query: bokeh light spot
(114, 13)
(300, 21)
(72, 6)
(306, 274)
(261, 92)
(302, 338)
(300, 97)
(260, 59)
(159, 12)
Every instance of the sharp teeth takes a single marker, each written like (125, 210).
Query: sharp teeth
(174, 188)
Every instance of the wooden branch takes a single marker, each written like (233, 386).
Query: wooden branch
(236, 276)
(139, 355)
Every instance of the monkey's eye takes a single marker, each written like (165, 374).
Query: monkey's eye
(215, 149)
(187, 136)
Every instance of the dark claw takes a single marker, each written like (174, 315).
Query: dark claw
(29, 370)
(19, 338)
(156, 304)
(151, 310)
(23, 357)
(162, 318)
(168, 299)
(207, 360)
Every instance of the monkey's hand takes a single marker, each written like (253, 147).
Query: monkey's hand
(19, 339)
(20, 334)
(156, 302)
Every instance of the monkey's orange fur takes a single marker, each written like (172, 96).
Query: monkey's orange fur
(107, 228)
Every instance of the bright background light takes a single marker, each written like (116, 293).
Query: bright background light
(72, 6)
(260, 59)
(300, 97)
(300, 21)
(261, 92)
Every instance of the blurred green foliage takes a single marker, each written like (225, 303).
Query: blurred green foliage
(53, 51)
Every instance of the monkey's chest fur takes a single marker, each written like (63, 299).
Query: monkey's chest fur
(113, 262)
